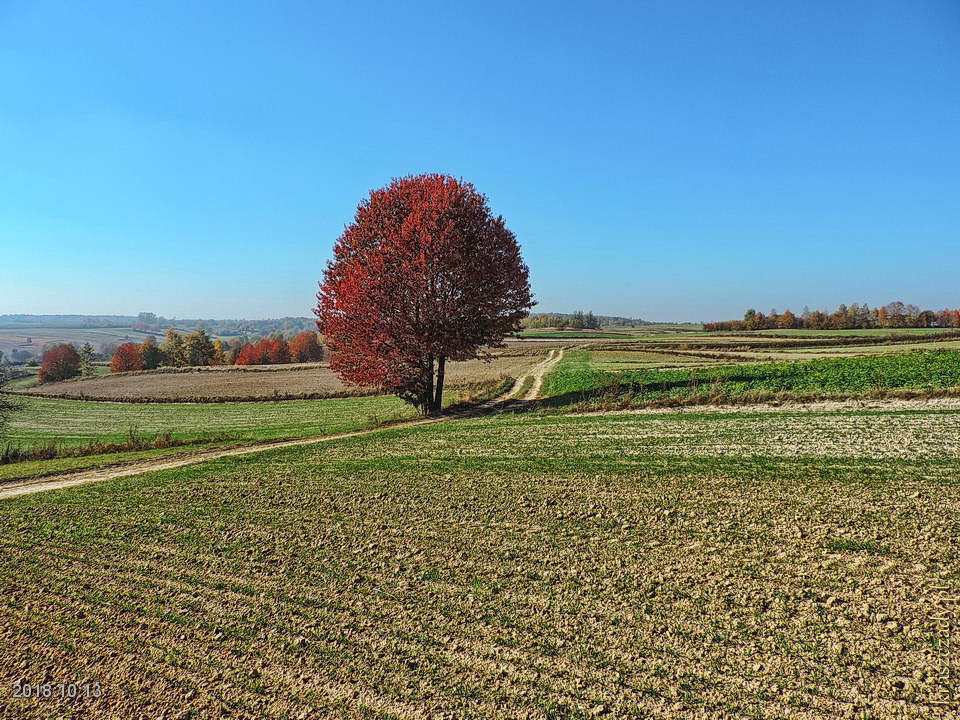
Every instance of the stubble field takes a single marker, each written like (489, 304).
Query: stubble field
(258, 383)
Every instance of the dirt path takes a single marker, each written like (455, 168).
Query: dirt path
(539, 372)
(54, 482)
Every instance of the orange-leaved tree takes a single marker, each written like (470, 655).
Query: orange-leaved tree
(278, 352)
(424, 274)
(304, 347)
(126, 358)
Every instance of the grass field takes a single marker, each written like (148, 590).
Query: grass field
(75, 422)
(559, 567)
(572, 334)
(637, 359)
(582, 374)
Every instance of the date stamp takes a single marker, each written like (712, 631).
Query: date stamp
(57, 691)
(945, 623)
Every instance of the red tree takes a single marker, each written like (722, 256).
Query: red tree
(261, 352)
(59, 363)
(126, 358)
(423, 275)
(248, 355)
(278, 352)
(305, 347)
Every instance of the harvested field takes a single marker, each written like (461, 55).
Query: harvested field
(236, 384)
(559, 567)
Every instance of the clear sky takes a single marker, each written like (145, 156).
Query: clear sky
(667, 160)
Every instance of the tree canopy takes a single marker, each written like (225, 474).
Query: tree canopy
(59, 363)
(424, 274)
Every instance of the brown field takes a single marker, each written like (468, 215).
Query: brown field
(210, 384)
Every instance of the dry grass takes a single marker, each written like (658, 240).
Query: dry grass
(236, 384)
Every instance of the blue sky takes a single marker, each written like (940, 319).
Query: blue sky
(668, 160)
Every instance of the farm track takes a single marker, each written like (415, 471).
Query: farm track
(538, 372)
(65, 480)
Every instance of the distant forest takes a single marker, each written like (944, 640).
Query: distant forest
(893, 315)
(578, 321)
(157, 324)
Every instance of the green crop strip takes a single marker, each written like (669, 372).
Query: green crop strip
(915, 370)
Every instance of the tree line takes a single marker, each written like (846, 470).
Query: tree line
(576, 321)
(852, 317)
(177, 350)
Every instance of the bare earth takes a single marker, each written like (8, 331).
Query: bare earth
(940, 403)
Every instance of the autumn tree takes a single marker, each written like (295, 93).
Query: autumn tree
(786, 320)
(304, 347)
(278, 351)
(197, 348)
(173, 350)
(219, 356)
(59, 363)
(230, 357)
(424, 274)
(150, 355)
(254, 353)
(126, 359)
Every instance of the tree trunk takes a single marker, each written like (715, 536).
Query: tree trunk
(428, 400)
(438, 398)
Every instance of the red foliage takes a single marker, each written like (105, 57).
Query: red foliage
(59, 363)
(249, 355)
(424, 274)
(265, 352)
(278, 352)
(126, 358)
(306, 348)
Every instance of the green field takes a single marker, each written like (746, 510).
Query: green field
(582, 374)
(73, 424)
(76, 422)
(520, 566)
(570, 334)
